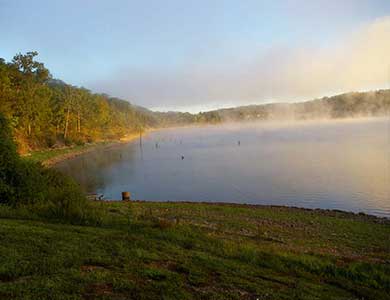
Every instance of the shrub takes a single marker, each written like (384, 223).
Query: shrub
(50, 139)
(68, 142)
(9, 160)
(47, 192)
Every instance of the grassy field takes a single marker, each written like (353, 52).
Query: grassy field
(196, 251)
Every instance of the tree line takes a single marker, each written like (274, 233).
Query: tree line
(348, 105)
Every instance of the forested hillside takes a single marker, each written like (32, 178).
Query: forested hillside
(44, 112)
(349, 105)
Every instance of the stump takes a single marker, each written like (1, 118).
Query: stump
(125, 196)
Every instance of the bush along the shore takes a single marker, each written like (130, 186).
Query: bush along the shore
(43, 192)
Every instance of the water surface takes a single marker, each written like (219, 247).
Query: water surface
(331, 164)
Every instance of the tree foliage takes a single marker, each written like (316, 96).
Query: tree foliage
(45, 112)
(46, 192)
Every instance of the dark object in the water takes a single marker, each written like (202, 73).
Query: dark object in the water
(125, 196)
(156, 145)
(239, 143)
(182, 157)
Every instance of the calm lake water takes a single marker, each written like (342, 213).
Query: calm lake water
(337, 165)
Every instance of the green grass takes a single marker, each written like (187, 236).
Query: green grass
(196, 251)
(46, 155)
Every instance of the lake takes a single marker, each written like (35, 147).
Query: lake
(324, 164)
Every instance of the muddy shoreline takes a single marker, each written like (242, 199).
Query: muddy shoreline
(92, 147)
(276, 208)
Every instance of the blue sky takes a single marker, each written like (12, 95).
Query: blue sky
(194, 55)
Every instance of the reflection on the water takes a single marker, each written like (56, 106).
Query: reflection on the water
(339, 165)
(89, 170)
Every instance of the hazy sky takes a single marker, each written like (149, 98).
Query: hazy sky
(202, 54)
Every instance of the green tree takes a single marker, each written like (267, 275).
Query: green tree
(32, 94)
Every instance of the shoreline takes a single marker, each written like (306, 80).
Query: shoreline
(288, 209)
(67, 153)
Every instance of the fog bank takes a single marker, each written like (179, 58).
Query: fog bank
(359, 61)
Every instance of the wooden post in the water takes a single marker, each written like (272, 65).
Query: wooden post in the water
(125, 196)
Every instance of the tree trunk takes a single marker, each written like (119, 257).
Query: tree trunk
(66, 124)
(78, 122)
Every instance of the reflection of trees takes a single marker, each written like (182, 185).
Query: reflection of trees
(90, 170)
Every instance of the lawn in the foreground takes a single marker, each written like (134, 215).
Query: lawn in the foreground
(197, 251)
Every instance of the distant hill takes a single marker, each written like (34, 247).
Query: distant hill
(362, 104)
(348, 105)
